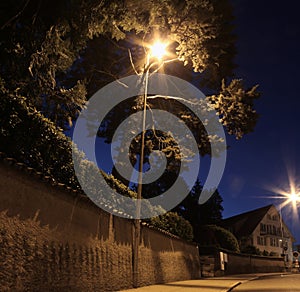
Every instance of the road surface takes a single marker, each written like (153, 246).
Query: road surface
(273, 283)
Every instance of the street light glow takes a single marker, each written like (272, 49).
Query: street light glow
(294, 198)
(289, 198)
(288, 195)
(158, 50)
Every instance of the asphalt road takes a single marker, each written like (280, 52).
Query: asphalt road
(274, 283)
(271, 282)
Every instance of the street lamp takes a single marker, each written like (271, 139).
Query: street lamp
(156, 53)
(283, 245)
(158, 50)
(291, 198)
(294, 198)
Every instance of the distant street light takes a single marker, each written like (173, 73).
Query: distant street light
(290, 198)
(293, 198)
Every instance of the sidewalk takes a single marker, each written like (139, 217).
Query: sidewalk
(217, 284)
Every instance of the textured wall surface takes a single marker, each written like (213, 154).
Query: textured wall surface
(250, 264)
(52, 239)
(236, 263)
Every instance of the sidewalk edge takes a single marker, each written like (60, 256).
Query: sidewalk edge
(239, 283)
(232, 286)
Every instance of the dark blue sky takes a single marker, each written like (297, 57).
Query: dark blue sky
(268, 54)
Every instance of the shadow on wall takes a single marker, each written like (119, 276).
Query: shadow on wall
(68, 212)
(35, 258)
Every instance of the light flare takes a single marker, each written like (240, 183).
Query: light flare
(290, 197)
(158, 50)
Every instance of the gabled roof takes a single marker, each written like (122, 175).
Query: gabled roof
(244, 224)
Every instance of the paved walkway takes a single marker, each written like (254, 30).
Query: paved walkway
(217, 284)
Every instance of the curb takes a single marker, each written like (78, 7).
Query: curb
(239, 283)
(244, 281)
(233, 286)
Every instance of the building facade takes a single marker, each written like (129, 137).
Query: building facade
(264, 229)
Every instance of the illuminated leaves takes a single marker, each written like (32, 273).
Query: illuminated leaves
(234, 105)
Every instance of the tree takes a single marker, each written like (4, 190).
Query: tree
(199, 215)
(40, 43)
(34, 51)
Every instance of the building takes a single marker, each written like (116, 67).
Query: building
(264, 229)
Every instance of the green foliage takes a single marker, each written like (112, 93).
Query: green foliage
(174, 224)
(234, 105)
(251, 249)
(199, 215)
(213, 235)
(25, 134)
(29, 137)
(41, 42)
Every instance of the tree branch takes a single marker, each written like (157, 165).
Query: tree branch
(16, 16)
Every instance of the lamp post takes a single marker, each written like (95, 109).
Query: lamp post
(282, 241)
(156, 52)
(291, 198)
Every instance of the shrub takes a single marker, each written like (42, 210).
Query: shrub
(30, 138)
(174, 224)
(265, 253)
(219, 237)
(251, 249)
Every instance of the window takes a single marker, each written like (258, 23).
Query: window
(278, 231)
(263, 228)
(274, 241)
(261, 240)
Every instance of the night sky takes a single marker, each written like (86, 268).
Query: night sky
(268, 54)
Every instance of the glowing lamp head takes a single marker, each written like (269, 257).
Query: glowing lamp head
(158, 50)
(294, 197)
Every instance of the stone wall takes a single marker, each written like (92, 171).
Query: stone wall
(234, 263)
(53, 239)
(239, 264)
